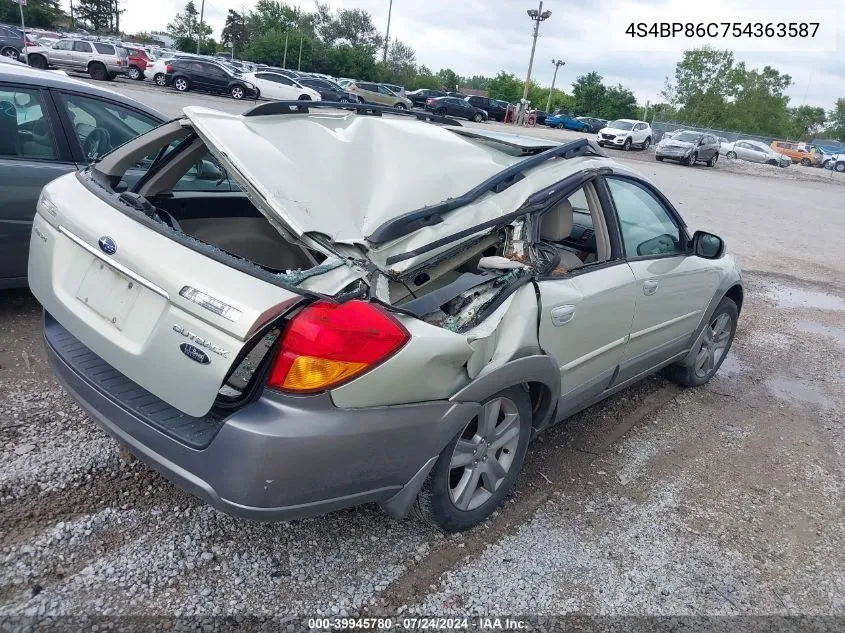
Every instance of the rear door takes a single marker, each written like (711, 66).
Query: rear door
(674, 286)
(216, 79)
(33, 152)
(82, 52)
(61, 54)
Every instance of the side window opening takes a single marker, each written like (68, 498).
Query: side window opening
(648, 228)
(25, 131)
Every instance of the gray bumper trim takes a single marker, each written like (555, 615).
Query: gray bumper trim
(281, 457)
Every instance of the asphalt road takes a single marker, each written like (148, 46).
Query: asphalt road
(725, 499)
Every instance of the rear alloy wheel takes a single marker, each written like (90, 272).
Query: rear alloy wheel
(714, 345)
(713, 159)
(806, 162)
(647, 143)
(477, 117)
(159, 79)
(181, 84)
(560, 126)
(627, 144)
(134, 73)
(840, 167)
(400, 106)
(237, 92)
(477, 469)
(10, 52)
(730, 155)
(98, 71)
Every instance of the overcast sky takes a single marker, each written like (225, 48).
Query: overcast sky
(486, 36)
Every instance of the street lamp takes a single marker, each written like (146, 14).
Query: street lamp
(558, 63)
(537, 15)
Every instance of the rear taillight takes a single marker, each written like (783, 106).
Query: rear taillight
(167, 69)
(327, 344)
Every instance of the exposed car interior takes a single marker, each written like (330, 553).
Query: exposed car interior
(575, 228)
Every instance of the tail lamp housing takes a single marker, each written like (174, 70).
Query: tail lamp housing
(327, 344)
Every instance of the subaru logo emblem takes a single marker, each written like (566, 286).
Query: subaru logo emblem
(107, 245)
(195, 354)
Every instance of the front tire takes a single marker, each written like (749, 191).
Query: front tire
(159, 79)
(730, 155)
(712, 350)
(400, 106)
(840, 167)
(477, 117)
(713, 159)
(134, 73)
(806, 162)
(10, 52)
(691, 160)
(478, 468)
(659, 159)
(627, 144)
(38, 61)
(237, 92)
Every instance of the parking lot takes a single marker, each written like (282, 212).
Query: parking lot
(725, 499)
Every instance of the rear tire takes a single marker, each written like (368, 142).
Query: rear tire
(647, 143)
(840, 167)
(111, 76)
(730, 155)
(181, 84)
(38, 61)
(400, 106)
(478, 468)
(712, 350)
(98, 71)
(159, 79)
(806, 162)
(659, 159)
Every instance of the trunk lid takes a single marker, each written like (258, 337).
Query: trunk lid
(91, 267)
(340, 175)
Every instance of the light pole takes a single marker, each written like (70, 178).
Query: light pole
(558, 63)
(537, 15)
(199, 28)
(387, 32)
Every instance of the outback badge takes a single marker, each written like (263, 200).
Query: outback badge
(195, 353)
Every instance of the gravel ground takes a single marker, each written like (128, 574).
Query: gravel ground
(721, 500)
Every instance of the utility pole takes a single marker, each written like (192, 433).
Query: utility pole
(285, 59)
(199, 27)
(299, 63)
(537, 15)
(558, 63)
(387, 32)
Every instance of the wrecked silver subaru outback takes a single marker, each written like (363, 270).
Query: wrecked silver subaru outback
(332, 326)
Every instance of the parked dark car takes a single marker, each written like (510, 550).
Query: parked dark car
(329, 91)
(459, 95)
(495, 109)
(12, 41)
(50, 125)
(418, 97)
(594, 123)
(453, 106)
(689, 148)
(205, 76)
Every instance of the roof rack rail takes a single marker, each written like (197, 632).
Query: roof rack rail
(303, 107)
(432, 214)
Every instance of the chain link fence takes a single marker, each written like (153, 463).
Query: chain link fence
(662, 127)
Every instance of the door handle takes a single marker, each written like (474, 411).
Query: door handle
(562, 315)
(650, 287)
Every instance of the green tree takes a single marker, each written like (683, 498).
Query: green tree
(836, 119)
(704, 80)
(235, 33)
(759, 102)
(619, 103)
(37, 13)
(805, 122)
(98, 15)
(589, 93)
(448, 79)
(185, 28)
(350, 26)
(506, 87)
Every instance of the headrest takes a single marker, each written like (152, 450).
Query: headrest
(557, 222)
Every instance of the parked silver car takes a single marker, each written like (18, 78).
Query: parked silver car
(101, 60)
(756, 152)
(370, 331)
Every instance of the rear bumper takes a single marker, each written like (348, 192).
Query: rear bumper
(279, 457)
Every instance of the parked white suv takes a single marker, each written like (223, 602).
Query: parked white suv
(626, 133)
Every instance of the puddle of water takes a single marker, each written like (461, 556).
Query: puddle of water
(731, 366)
(794, 297)
(790, 389)
(814, 327)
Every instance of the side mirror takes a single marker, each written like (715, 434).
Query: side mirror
(707, 245)
(701, 141)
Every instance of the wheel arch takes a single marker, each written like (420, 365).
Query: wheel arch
(731, 287)
(539, 372)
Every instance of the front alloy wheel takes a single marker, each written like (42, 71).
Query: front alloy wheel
(10, 52)
(159, 79)
(627, 144)
(237, 92)
(713, 159)
(134, 73)
(477, 469)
